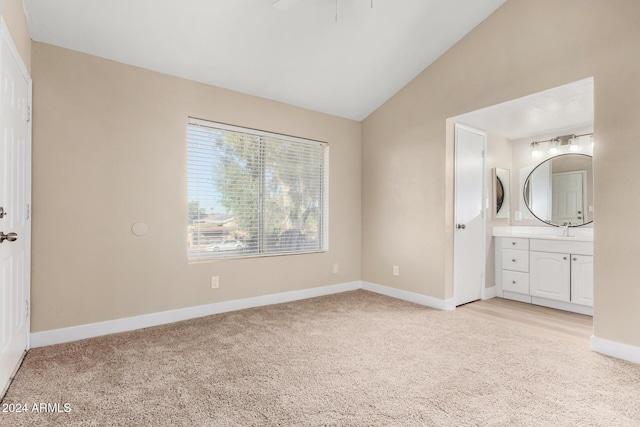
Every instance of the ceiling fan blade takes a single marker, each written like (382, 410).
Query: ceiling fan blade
(284, 5)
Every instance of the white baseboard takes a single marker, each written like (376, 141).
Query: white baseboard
(516, 297)
(410, 296)
(75, 333)
(560, 305)
(488, 293)
(616, 349)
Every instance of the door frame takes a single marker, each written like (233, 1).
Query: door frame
(457, 127)
(585, 202)
(5, 37)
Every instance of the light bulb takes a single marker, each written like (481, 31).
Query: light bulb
(535, 149)
(573, 144)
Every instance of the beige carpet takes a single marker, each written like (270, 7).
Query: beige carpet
(350, 359)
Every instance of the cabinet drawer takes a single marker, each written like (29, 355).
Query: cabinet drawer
(515, 260)
(515, 281)
(515, 243)
(562, 247)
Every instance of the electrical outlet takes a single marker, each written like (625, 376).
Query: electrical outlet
(396, 270)
(215, 282)
(336, 268)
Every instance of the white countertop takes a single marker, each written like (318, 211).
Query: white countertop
(549, 233)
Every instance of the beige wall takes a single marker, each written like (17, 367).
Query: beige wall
(109, 150)
(14, 16)
(525, 47)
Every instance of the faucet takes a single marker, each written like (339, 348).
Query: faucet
(565, 228)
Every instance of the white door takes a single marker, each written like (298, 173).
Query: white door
(469, 240)
(15, 193)
(550, 275)
(568, 197)
(582, 280)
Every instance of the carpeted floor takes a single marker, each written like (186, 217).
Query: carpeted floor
(356, 359)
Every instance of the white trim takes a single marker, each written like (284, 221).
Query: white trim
(75, 333)
(616, 349)
(488, 293)
(516, 297)
(410, 296)
(561, 305)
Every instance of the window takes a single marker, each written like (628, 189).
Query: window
(254, 193)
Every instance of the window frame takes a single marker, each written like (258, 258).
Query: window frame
(323, 209)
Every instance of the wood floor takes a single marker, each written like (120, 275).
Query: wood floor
(574, 327)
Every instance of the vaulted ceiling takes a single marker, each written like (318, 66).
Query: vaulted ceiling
(300, 55)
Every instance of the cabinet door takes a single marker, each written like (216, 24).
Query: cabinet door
(550, 275)
(582, 280)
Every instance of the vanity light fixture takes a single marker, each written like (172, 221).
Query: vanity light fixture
(558, 144)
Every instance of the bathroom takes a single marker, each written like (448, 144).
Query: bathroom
(538, 198)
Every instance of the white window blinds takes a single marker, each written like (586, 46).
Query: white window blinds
(254, 193)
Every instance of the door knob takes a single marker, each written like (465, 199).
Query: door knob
(12, 237)
(461, 226)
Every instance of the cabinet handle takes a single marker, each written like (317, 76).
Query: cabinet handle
(564, 257)
(575, 259)
(513, 260)
(514, 282)
(513, 243)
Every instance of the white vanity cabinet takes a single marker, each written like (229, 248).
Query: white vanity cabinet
(550, 276)
(554, 272)
(515, 265)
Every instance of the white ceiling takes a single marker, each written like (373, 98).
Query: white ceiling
(563, 107)
(300, 56)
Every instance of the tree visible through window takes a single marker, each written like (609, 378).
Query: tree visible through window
(254, 193)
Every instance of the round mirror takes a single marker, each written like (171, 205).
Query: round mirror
(559, 190)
